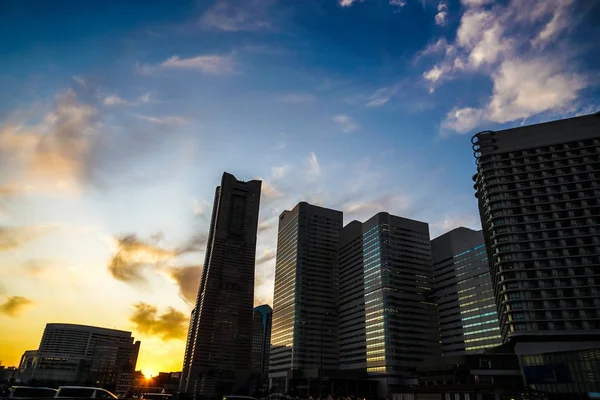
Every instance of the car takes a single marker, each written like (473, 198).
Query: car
(28, 392)
(84, 392)
(235, 397)
(156, 396)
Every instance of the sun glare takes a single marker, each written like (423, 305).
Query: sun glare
(149, 375)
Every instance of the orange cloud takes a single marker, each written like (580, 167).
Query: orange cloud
(188, 279)
(171, 324)
(13, 305)
(56, 150)
(12, 237)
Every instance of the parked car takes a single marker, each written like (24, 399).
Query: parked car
(234, 397)
(84, 392)
(28, 392)
(156, 396)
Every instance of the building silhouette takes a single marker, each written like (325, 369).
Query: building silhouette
(388, 321)
(261, 338)
(81, 354)
(189, 346)
(304, 340)
(538, 190)
(218, 351)
(464, 294)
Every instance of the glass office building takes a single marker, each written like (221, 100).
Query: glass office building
(388, 321)
(304, 335)
(464, 294)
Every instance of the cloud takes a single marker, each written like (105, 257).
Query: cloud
(171, 324)
(511, 45)
(13, 305)
(201, 208)
(280, 171)
(382, 96)
(79, 80)
(449, 222)
(238, 15)
(115, 100)
(394, 203)
(313, 164)
(265, 226)
(38, 267)
(166, 120)
(55, 152)
(134, 255)
(268, 255)
(298, 98)
(269, 190)
(348, 3)
(346, 123)
(188, 280)
(12, 237)
(434, 74)
(462, 120)
(397, 3)
(442, 15)
(209, 64)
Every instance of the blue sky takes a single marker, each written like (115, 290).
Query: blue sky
(117, 120)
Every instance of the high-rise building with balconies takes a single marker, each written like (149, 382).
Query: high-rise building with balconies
(538, 189)
(219, 351)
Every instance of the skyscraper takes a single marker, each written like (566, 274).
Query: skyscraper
(463, 291)
(219, 359)
(304, 338)
(189, 347)
(261, 338)
(388, 321)
(538, 189)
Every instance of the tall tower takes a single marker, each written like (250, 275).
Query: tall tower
(219, 359)
(538, 189)
(464, 293)
(304, 339)
(388, 321)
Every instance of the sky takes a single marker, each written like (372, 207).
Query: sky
(117, 120)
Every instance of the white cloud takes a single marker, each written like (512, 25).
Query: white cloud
(166, 120)
(528, 87)
(475, 3)
(382, 96)
(348, 3)
(238, 15)
(145, 98)
(398, 3)
(281, 171)
(210, 64)
(441, 16)
(269, 190)
(528, 76)
(297, 98)
(79, 80)
(313, 164)
(346, 123)
(434, 74)
(114, 100)
(462, 120)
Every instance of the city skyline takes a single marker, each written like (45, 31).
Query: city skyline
(114, 131)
